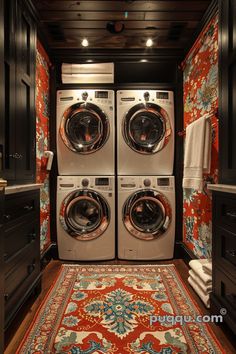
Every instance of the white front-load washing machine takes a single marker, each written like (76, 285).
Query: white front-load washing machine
(85, 132)
(86, 217)
(145, 132)
(146, 217)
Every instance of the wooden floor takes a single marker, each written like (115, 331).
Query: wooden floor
(16, 332)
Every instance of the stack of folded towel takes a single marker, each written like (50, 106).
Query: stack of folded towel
(200, 278)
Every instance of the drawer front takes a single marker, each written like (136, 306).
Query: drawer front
(25, 268)
(19, 237)
(225, 290)
(20, 205)
(224, 250)
(225, 211)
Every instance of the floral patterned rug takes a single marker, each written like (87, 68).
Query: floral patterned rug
(118, 309)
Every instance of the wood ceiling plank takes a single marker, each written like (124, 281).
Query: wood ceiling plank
(122, 5)
(128, 24)
(127, 32)
(119, 43)
(119, 16)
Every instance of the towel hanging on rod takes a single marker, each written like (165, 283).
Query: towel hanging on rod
(210, 115)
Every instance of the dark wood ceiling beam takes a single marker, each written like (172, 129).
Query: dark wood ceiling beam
(123, 6)
(127, 32)
(47, 16)
(130, 25)
(119, 45)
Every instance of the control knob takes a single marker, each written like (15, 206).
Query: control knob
(147, 182)
(85, 182)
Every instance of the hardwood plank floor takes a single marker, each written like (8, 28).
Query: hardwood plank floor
(16, 332)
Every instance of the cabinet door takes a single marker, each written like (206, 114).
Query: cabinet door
(2, 111)
(1, 267)
(9, 91)
(227, 94)
(25, 96)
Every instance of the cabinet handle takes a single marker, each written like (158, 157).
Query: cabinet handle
(28, 207)
(6, 296)
(16, 156)
(5, 256)
(231, 215)
(32, 237)
(31, 268)
(232, 253)
(7, 217)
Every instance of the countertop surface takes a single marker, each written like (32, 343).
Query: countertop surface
(228, 188)
(22, 188)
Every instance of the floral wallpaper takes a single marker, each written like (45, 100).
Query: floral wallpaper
(200, 85)
(42, 141)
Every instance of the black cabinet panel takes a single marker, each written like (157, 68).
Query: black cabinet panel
(224, 256)
(15, 242)
(18, 143)
(225, 250)
(21, 261)
(1, 165)
(227, 91)
(225, 210)
(225, 290)
(1, 267)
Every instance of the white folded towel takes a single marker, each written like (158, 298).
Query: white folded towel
(206, 288)
(205, 298)
(207, 267)
(197, 266)
(197, 156)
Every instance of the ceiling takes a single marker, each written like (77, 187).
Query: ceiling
(171, 24)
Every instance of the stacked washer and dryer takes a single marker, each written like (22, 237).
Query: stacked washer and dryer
(146, 186)
(86, 182)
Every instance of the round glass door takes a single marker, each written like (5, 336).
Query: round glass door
(147, 214)
(84, 128)
(146, 128)
(84, 214)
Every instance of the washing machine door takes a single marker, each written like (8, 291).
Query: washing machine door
(85, 214)
(146, 128)
(84, 128)
(147, 214)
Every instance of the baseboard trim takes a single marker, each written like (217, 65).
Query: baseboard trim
(50, 253)
(182, 251)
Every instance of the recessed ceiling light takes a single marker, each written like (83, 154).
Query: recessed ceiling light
(143, 60)
(149, 42)
(89, 61)
(85, 42)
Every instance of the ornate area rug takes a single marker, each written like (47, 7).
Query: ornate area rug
(118, 309)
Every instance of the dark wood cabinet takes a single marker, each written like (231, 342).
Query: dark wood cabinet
(224, 257)
(19, 90)
(1, 271)
(21, 257)
(227, 91)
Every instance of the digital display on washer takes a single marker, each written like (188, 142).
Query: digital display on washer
(162, 95)
(101, 94)
(163, 182)
(102, 181)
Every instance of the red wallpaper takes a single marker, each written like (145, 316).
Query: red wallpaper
(200, 97)
(42, 141)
